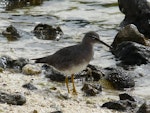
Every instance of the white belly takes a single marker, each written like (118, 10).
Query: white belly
(75, 69)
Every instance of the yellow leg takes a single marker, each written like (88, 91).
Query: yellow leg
(66, 80)
(74, 89)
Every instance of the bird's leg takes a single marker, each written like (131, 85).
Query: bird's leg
(74, 89)
(66, 80)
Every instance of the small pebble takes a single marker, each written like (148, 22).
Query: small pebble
(30, 69)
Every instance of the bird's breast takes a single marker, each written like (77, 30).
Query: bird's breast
(75, 69)
(79, 63)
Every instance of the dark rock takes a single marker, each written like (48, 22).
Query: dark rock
(16, 99)
(142, 109)
(126, 96)
(121, 105)
(7, 62)
(29, 86)
(134, 7)
(47, 32)
(4, 60)
(126, 103)
(119, 78)
(91, 73)
(136, 12)
(11, 33)
(131, 53)
(115, 105)
(129, 33)
(53, 74)
(18, 64)
(145, 108)
(91, 90)
(95, 72)
(13, 4)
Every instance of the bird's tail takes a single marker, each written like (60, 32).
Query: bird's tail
(39, 60)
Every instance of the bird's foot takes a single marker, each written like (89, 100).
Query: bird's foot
(74, 92)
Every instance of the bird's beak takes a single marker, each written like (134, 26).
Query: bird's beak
(105, 44)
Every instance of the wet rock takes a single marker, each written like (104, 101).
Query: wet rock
(128, 104)
(124, 104)
(4, 60)
(29, 86)
(119, 78)
(115, 105)
(16, 99)
(145, 108)
(126, 96)
(47, 32)
(129, 33)
(133, 7)
(91, 90)
(142, 109)
(91, 73)
(136, 12)
(96, 72)
(131, 53)
(11, 33)
(16, 65)
(53, 74)
(121, 105)
(30, 69)
(13, 4)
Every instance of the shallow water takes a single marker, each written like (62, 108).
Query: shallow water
(75, 17)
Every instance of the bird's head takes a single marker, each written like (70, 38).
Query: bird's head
(92, 37)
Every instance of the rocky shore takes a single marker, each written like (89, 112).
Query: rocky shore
(27, 87)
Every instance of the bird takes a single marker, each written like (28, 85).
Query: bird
(73, 59)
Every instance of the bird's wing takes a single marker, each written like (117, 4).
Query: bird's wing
(61, 56)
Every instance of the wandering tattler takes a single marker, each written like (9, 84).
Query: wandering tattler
(73, 59)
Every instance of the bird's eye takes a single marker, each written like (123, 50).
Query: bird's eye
(93, 37)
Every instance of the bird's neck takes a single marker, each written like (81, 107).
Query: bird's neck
(88, 46)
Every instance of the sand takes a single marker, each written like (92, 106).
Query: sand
(45, 99)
